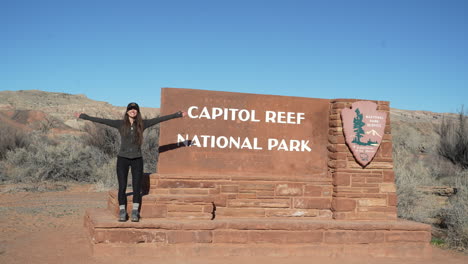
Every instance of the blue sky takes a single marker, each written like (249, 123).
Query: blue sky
(412, 53)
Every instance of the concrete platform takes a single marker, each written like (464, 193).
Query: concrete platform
(256, 237)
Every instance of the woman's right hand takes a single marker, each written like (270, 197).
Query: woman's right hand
(77, 115)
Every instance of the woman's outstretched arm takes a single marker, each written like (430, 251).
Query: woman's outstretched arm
(108, 122)
(154, 121)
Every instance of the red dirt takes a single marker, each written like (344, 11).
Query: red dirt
(47, 227)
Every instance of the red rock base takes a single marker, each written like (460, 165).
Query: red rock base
(256, 237)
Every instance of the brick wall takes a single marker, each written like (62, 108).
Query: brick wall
(360, 193)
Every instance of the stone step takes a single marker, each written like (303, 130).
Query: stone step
(227, 237)
(169, 206)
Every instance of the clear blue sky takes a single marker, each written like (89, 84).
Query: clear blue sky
(413, 53)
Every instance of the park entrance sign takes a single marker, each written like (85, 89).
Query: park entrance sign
(244, 134)
(279, 156)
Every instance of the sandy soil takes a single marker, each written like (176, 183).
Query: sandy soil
(47, 227)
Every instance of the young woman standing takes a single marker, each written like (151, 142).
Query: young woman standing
(131, 134)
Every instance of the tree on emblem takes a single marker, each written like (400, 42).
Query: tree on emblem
(358, 124)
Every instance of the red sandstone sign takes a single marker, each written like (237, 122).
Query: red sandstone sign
(243, 134)
(364, 128)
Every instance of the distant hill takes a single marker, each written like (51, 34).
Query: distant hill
(34, 109)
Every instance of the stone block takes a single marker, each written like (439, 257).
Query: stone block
(182, 236)
(353, 237)
(341, 179)
(387, 188)
(372, 202)
(128, 236)
(342, 204)
(289, 189)
(386, 149)
(262, 203)
(184, 208)
(291, 213)
(152, 210)
(195, 191)
(414, 236)
(185, 184)
(229, 188)
(285, 237)
(239, 212)
(312, 203)
(230, 236)
(392, 199)
(249, 186)
(311, 190)
(389, 176)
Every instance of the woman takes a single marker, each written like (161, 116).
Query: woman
(131, 134)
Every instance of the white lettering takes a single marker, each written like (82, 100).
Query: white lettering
(222, 145)
(294, 145)
(300, 116)
(216, 112)
(246, 144)
(272, 142)
(304, 145)
(195, 141)
(244, 115)
(232, 141)
(283, 145)
(270, 116)
(190, 114)
(253, 117)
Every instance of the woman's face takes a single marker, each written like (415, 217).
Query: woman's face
(132, 113)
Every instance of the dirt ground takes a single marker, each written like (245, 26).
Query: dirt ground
(47, 227)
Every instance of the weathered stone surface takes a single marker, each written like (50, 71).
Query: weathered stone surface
(342, 204)
(372, 202)
(292, 212)
(289, 189)
(176, 237)
(262, 203)
(355, 237)
(312, 203)
(394, 236)
(387, 188)
(223, 212)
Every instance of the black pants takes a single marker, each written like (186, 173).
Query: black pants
(123, 164)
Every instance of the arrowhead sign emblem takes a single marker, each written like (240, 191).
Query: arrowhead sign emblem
(364, 128)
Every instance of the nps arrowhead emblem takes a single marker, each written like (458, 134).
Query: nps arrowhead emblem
(364, 128)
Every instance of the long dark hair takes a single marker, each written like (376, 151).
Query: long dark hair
(138, 121)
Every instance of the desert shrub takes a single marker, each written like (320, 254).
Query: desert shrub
(40, 161)
(10, 139)
(150, 148)
(103, 137)
(456, 215)
(453, 169)
(411, 173)
(106, 176)
(453, 144)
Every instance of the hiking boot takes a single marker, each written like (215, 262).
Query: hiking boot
(135, 216)
(123, 217)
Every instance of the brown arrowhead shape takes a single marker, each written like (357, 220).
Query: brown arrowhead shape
(364, 128)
